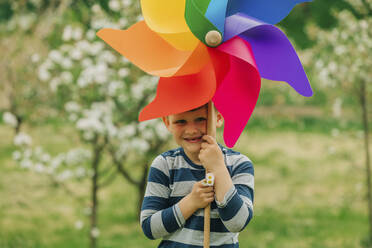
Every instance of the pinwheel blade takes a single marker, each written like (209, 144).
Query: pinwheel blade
(166, 17)
(269, 11)
(179, 94)
(152, 54)
(237, 95)
(216, 13)
(274, 54)
(196, 20)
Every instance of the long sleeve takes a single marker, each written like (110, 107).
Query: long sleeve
(158, 218)
(236, 210)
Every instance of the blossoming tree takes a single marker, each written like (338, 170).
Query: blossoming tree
(344, 63)
(101, 94)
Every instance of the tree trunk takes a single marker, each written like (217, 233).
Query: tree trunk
(94, 195)
(364, 102)
(17, 129)
(141, 189)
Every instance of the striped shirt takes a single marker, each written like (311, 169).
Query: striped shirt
(171, 177)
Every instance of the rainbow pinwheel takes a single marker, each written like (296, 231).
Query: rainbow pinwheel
(215, 50)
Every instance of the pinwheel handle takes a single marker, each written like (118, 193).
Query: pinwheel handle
(211, 130)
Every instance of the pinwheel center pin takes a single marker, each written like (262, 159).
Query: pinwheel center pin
(213, 38)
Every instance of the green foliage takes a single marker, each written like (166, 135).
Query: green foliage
(318, 12)
(6, 11)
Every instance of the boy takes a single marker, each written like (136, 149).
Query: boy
(175, 196)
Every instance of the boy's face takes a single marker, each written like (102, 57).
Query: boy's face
(189, 127)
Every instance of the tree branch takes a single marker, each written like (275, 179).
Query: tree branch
(108, 180)
(120, 167)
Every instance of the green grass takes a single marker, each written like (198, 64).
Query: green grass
(308, 193)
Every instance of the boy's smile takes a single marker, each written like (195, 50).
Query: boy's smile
(188, 129)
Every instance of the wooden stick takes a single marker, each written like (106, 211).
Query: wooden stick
(211, 130)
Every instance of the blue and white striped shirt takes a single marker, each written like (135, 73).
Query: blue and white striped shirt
(171, 177)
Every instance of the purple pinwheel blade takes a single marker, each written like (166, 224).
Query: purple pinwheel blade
(269, 11)
(275, 56)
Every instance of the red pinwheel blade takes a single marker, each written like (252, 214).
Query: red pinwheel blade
(180, 94)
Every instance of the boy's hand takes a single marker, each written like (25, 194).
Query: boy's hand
(201, 195)
(210, 154)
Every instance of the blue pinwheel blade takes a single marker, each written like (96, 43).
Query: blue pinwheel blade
(216, 13)
(269, 11)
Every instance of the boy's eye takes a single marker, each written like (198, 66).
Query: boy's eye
(200, 119)
(180, 122)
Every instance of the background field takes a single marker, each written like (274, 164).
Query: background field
(309, 193)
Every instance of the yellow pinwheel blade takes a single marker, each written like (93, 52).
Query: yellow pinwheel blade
(167, 18)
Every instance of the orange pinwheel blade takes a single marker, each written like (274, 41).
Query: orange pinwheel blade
(180, 94)
(147, 50)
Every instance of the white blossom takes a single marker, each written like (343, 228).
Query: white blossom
(17, 155)
(45, 158)
(123, 22)
(126, 3)
(67, 33)
(10, 119)
(72, 107)
(66, 77)
(76, 54)
(90, 34)
(26, 163)
(95, 232)
(64, 175)
(25, 22)
(126, 131)
(79, 224)
(66, 63)
(337, 108)
(80, 172)
(56, 56)
(77, 33)
(35, 58)
(123, 72)
(86, 62)
(113, 87)
(55, 83)
(40, 168)
(22, 139)
(96, 8)
(162, 131)
(88, 135)
(140, 145)
(43, 74)
(114, 5)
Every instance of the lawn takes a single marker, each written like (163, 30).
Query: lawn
(309, 192)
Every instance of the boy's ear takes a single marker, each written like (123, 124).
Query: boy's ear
(219, 120)
(166, 121)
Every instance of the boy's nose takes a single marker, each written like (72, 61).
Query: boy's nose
(191, 129)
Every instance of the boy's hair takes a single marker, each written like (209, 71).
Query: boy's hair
(197, 108)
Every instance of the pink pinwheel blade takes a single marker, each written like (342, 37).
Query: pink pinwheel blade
(237, 95)
(275, 56)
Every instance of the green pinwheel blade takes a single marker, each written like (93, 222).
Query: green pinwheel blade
(195, 18)
(202, 5)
